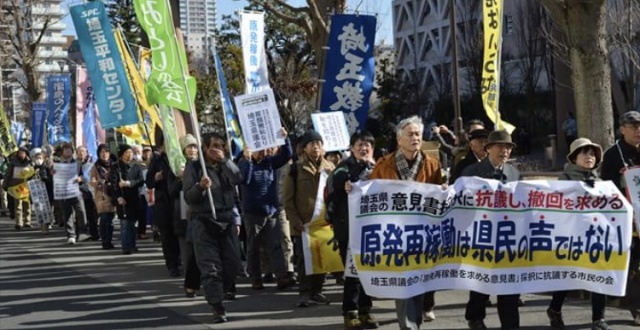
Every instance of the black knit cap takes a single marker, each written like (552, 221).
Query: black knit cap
(310, 136)
(122, 149)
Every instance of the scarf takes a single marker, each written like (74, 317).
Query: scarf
(408, 173)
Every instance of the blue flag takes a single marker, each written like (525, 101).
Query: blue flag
(233, 126)
(58, 98)
(38, 115)
(113, 95)
(350, 68)
(89, 129)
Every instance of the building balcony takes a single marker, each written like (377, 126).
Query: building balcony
(46, 54)
(53, 68)
(55, 11)
(57, 26)
(53, 40)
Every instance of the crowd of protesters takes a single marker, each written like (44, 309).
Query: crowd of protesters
(265, 198)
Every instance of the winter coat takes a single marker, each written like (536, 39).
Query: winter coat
(132, 173)
(164, 206)
(15, 165)
(300, 190)
(576, 173)
(99, 180)
(260, 182)
(613, 162)
(224, 176)
(353, 171)
(468, 160)
(486, 170)
(429, 172)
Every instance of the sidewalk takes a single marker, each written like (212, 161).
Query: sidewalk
(46, 284)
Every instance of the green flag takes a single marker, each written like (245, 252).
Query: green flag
(171, 142)
(7, 142)
(168, 59)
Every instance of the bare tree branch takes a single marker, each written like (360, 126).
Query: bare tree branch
(292, 8)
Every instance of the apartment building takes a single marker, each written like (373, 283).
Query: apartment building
(51, 52)
(198, 22)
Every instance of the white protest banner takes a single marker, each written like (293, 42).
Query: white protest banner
(259, 120)
(332, 126)
(256, 74)
(40, 202)
(320, 250)
(65, 185)
(408, 238)
(632, 182)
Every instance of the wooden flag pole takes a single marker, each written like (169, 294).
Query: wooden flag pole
(194, 120)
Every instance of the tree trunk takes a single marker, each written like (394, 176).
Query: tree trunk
(590, 70)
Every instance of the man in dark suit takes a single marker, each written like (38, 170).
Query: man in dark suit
(476, 153)
(494, 166)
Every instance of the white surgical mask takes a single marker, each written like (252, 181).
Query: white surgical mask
(39, 162)
(137, 157)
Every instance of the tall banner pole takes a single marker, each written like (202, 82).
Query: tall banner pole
(194, 121)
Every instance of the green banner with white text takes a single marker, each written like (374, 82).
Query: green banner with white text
(166, 85)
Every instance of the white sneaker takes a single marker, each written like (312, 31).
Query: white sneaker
(83, 237)
(428, 316)
(71, 240)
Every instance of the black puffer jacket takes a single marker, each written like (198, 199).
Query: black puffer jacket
(348, 170)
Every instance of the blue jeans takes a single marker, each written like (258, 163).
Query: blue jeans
(106, 228)
(128, 234)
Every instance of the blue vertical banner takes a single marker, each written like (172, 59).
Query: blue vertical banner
(113, 96)
(58, 99)
(89, 129)
(38, 115)
(231, 120)
(350, 68)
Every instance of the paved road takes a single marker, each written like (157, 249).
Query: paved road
(45, 284)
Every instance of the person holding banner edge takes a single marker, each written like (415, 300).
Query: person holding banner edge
(584, 157)
(625, 153)
(494, 166)
(410, 163)
(356, 304)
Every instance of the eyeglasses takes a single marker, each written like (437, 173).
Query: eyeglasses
(634, 127)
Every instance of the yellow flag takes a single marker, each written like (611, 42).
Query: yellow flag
(145, 63)
(490, 87)
(137, 132)
(19, 192)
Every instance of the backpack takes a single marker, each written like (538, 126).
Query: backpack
(329, 194)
